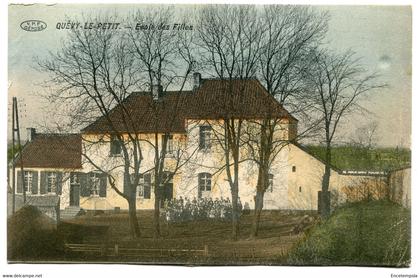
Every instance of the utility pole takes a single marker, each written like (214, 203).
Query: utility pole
(22, 174)
(13, 158)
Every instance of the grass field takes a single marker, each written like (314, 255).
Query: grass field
(274, 242)
(357, 158)
(369, 233)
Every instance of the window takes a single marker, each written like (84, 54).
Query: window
(270, 182)
(143, 186)
(51, 182)
(169, 144)
(204, 181)
(293, 168)
(140, 185)
(205, 136)
(115, 146)
(74, 178)
(166, 178)
(300, 188)
(94, 184)
(27, 181)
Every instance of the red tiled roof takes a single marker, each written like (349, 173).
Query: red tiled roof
(53, 151)
(246, 99)
(215, 99)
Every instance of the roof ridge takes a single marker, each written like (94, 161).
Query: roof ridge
(57, 133)
(148, 93)
(320, 159)
(277, 102)
(230, 78)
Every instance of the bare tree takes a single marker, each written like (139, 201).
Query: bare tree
(93, 73)
(335, 85)
(230, 37)
(166, 60)
(366, 136)
(289, 33)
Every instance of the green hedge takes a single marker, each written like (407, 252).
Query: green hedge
(367, 233)
(31, 235)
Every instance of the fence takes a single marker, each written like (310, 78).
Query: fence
(118, 250)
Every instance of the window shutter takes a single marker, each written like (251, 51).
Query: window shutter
(147, 178)
(126, 186)
(201, 143)
(208, 185)
(59, 183)
(19, 182)
(84, 185)
(34, 182)
(146, 191)
(43, 187)
(147, 187)
(102, 185)
(199, 185)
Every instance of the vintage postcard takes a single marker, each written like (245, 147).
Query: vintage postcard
(209, 134)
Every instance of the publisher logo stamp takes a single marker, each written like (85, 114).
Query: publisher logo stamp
(33, 25)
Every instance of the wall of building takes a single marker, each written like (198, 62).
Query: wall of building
(297, 175)
(97, 148)
(186, 178)
(213, 160)
(65, 190)
(305, 182)
(400, 186)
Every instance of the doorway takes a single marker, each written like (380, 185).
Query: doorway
(74, 195)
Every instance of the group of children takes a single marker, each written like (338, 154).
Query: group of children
(184, 209)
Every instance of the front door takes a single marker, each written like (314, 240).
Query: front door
(74, 195)
(166, 193)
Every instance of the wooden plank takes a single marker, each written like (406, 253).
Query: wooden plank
(117, 250)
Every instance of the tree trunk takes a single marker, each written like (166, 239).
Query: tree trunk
(262, 182)
(324, 206)
(259, 199)
(259, 204)
(156, 214)
(235, 216)
(132, 214)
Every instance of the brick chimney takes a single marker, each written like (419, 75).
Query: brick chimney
(196, 80)
(30, 134)
(157, 91)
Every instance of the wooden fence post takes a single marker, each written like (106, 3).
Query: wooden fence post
(103, 249)
(116, 251)
(206, 250)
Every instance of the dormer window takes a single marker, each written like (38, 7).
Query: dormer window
(115, 146)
